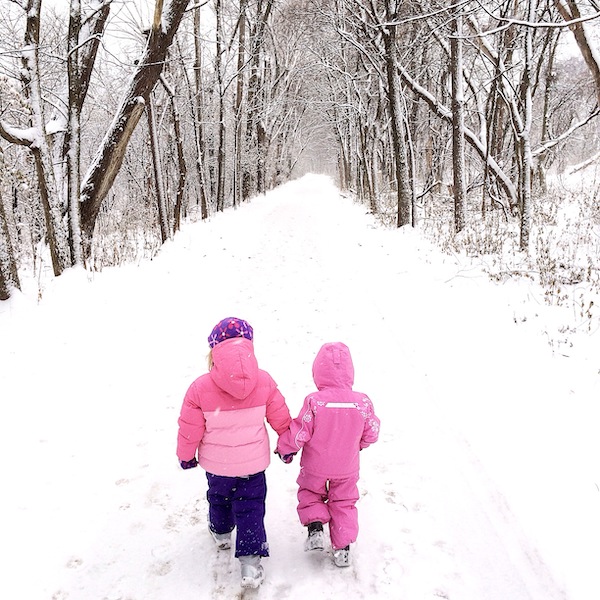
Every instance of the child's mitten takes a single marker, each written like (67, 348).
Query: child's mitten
(286, 458)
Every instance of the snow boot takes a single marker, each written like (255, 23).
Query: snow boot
(222, 540)
(253, 573)
(341, 557)
(316, 537)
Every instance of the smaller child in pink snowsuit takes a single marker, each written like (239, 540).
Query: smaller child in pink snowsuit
(334, 425)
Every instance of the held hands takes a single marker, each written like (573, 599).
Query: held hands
(286, 458)
(188, 464)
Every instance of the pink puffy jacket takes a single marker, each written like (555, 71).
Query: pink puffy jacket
(335, 423)
(223, 414)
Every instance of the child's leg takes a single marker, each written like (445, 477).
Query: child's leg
(343, 527)
(312, 493)
(219, 496)
(249, 509)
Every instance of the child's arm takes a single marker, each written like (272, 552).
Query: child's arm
(191, 427)
(300, 431)
(277, 412)
(371, 430)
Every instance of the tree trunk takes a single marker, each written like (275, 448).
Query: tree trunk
(458, 139)
(73, 153)
(525, 136)
(198, 114)
(108, 160)
(261, 151)
(221, 114)
(163, 217)
(549, 85)
(239, 97)
(38, 141)
(253, 127)
(181, 164)
(402, 179)
(9, 276)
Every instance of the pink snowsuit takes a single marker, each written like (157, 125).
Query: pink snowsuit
(223, 414)
(334, 424)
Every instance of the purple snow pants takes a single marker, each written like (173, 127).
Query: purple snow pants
(330, 501)
(239, 502)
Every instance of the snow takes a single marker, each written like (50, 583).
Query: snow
(483, 485)
(57, 125)
(30, 135)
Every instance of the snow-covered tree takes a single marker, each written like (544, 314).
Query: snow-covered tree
(9, 276)
(50, 130)
(109, 158)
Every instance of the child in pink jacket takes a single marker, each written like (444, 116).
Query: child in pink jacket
(222, 428)
(335, 423)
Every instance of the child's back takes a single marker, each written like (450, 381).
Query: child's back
(335, 422)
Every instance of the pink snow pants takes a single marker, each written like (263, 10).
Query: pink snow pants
(330, 501)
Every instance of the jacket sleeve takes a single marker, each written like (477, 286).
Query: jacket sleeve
(371, 430)
(191, 426)
(277, 411)
(300, 431)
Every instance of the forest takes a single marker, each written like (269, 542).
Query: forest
(120, 119)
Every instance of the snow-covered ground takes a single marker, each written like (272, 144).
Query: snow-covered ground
(484, 484)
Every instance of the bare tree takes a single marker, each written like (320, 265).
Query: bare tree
(37, 139)
(240, 91)
(397, 118)
(9, 276)
(219, 52)
(525, 133)
(105, 166)
(253, 173)
(198, 111)
(52, 134)
(163, 217)
(181, 164)
(458, 138)
(73, 154)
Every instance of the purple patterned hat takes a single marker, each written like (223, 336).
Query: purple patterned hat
(229, 328)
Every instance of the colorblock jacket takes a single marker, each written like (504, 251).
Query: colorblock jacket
(222, 419)
(334, 423)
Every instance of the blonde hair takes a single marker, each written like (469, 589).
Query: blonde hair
(209, 359)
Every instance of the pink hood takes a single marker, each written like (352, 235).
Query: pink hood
(235, 368)
(333, 367)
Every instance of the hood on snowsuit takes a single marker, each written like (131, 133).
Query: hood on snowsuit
(333, 367)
